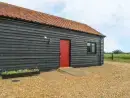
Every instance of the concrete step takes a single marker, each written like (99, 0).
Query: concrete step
(73, 71)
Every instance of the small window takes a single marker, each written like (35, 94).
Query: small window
(91, 47)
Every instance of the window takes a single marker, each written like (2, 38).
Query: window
(91, 47)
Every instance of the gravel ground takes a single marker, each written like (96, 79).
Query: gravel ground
(112, 80)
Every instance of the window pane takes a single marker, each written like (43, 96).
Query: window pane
(88, 44)
(93, 48)
(88, 49)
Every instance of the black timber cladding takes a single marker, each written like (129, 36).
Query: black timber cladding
(23, 44)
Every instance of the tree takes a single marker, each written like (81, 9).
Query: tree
(117, 51)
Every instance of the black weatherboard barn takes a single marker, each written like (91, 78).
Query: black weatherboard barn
(29, 38)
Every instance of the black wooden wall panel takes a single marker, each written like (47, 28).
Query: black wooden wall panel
(23, 44)
(102, 51)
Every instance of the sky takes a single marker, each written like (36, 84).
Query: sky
(110, 17)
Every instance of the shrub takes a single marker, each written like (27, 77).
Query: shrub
(117, 51)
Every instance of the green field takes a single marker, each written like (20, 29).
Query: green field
(118, 57)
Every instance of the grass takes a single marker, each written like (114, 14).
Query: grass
(19, 71)
(118, 57)
(118, 60)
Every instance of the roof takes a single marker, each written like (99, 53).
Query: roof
(13, 11)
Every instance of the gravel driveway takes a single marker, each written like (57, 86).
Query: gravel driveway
(112, 80)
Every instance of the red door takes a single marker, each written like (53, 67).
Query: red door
(64, 53)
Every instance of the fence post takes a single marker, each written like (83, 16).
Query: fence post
(112, 56)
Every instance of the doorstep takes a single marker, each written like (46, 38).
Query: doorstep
(73, 71)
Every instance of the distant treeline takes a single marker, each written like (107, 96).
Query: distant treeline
(117, 52)
(117, 56)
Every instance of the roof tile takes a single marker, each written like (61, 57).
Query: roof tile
(13, 11)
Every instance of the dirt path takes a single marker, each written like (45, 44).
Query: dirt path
(112, 80)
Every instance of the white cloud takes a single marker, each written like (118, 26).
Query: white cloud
(89, 11)
(40, 5)
(111, 44)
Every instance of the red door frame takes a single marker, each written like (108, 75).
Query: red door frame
(69, 53)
